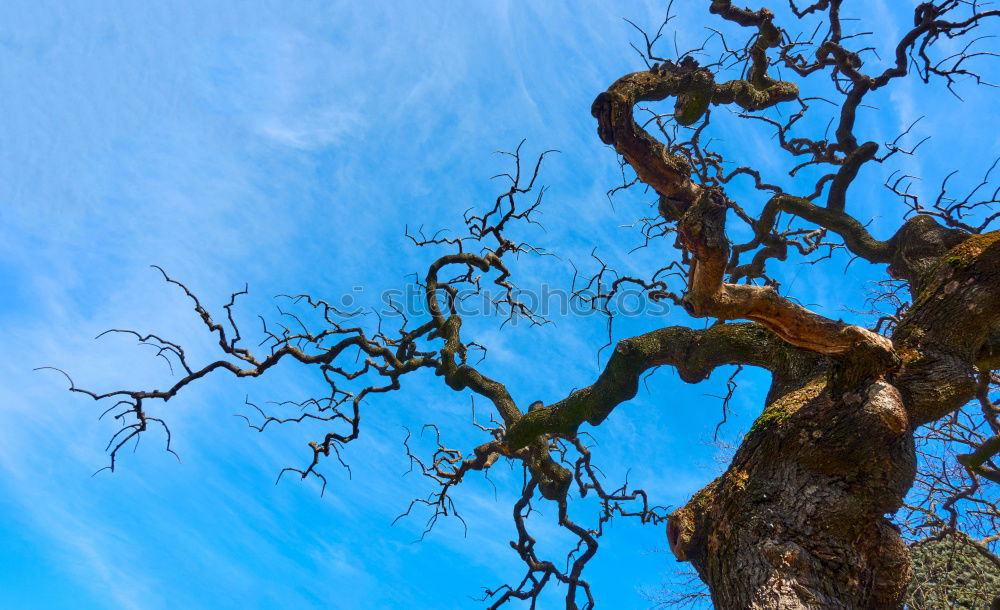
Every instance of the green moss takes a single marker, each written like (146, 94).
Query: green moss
(968, 252)
(771, 416)
(704, 499)
(957, 259)
(691, 107)
(783, 408)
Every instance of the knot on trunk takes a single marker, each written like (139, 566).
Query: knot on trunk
(702, 229)
(918, 246)
(695, 97)
(871, 357)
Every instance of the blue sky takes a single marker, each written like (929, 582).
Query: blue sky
(286, 145)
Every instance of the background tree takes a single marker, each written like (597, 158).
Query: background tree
(798, 517)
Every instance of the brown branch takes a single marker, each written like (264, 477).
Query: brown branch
(694, 353)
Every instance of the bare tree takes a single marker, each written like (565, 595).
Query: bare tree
(801, 516)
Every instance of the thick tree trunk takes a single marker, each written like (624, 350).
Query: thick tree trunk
(798, 520)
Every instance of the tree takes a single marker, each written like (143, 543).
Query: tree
(950, 573)
(799, 517)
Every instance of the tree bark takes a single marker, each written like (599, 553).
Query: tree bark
(799, 518)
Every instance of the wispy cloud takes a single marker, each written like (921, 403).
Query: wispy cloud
(287, 146)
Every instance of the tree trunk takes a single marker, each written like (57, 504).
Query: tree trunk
(798, 520)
